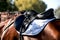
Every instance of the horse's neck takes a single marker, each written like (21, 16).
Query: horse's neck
(5, 29)
(2, 24)
(7, 23)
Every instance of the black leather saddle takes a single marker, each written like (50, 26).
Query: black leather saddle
(45, 15)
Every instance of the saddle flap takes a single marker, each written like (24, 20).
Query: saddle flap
(18, 22)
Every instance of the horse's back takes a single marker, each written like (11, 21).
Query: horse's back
(51, 32)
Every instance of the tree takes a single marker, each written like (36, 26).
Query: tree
(37, 5)
(57, 13)
(11, 6)
(3, 5)
(6, 5)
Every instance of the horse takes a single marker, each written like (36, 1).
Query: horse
(51, 31)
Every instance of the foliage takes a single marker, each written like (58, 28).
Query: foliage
(3, 5)
(37, 5)
(6, 5)
(11, 6)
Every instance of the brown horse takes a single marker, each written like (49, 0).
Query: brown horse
(51, 32)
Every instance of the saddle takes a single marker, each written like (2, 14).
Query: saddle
(35, 24)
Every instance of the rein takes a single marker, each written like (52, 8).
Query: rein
(9, 25)
(6, 28)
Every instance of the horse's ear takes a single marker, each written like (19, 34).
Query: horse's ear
(18, 22)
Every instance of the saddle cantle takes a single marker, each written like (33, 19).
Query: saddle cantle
(47, 14)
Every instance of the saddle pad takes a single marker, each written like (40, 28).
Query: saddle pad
(37, 26)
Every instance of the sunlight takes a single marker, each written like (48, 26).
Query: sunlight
(52, 3)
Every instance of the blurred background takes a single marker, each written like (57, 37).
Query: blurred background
(12, 8)
(8, 8)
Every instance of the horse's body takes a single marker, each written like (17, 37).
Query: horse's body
(51, 32)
